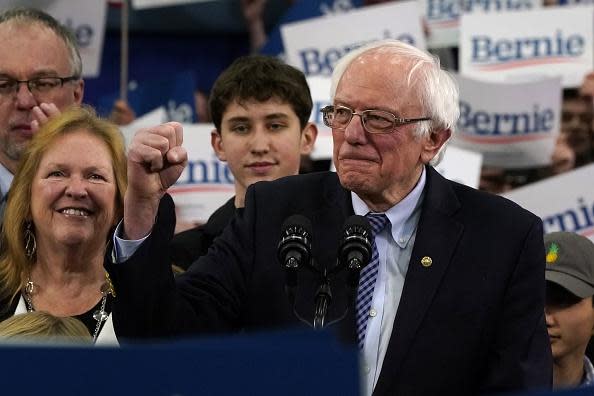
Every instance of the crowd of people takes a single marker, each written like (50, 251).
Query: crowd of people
(87, 248)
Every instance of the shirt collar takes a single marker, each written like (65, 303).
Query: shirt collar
(5, 179)
(588, 378)
(398, 214)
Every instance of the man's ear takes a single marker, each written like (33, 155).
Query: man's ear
(79, 91)
(308, 138)
(432, 144)
(216, 141)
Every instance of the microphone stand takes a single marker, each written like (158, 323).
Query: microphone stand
(323, 296)
(323, 299)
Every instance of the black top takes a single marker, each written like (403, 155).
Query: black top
(186, 247)
(86, 317)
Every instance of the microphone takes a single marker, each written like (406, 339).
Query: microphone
(355, 247)
(294, 248)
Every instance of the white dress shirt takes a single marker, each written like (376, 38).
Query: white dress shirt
(5, 180)
(394, 245)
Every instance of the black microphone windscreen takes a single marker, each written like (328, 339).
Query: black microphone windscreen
(294, 247)
(297, 221)
(356, 221)
(355, 247)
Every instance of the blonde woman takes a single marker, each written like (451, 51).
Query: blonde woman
(65, 200)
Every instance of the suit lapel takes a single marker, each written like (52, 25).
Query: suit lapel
(436, 238)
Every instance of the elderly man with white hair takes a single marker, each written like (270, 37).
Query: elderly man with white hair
(452, 299)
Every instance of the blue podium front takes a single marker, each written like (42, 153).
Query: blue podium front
(294, 363)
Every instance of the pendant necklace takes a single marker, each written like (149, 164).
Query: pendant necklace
(100, 315)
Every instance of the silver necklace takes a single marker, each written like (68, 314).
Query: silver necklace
(99, 315)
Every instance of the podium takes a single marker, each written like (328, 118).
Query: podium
(588, 391)
(293, 363)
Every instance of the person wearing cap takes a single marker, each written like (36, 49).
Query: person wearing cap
(569, 306)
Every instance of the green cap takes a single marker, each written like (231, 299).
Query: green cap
(570, 262)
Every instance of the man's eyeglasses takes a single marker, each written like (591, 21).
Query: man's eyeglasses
(39, 85)
(373, 121)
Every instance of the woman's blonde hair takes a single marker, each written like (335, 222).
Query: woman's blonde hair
(42, 326)
(14, 264)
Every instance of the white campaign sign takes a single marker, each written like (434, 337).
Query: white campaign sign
(86, 20)
(564, 202)
(462, 166)
(442, 22)
(140, 4)
(315, 45)
(320, 94)
(442, 17)
(514, 46)
(512, 125)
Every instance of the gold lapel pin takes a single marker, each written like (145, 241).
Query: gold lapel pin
(426, 261)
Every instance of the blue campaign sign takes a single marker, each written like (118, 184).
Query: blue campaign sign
(294, 363)
(175, 94)
(304, 9)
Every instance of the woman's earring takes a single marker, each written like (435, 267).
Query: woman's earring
(30, 242)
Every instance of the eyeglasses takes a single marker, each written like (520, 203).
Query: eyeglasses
(373, 121)
(40, 85)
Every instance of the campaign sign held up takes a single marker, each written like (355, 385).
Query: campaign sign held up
(442, 17)
(84, 18)
(564, 202)
(316, 54)
(462, 166)
(512, 125)
(301, 10)
(142, 4)
(319, 87)
(514, 46)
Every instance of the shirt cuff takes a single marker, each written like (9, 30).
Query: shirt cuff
(124, 248)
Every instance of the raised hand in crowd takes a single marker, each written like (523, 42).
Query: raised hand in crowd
(122, 113)
(156, 159)
(253, 11)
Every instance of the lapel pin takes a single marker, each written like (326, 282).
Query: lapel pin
(426, 261)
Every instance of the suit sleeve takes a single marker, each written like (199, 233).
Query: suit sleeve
(151, 303)
(521, 354)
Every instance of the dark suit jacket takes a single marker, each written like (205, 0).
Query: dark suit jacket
(471, 323)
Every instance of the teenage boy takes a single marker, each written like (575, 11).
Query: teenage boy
(260, 107)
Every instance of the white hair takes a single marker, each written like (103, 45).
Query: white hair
(438, 91)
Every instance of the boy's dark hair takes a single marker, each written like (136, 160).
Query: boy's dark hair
(260, 78)
(574, 93)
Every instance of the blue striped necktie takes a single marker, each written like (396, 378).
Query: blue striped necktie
(368, 277)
